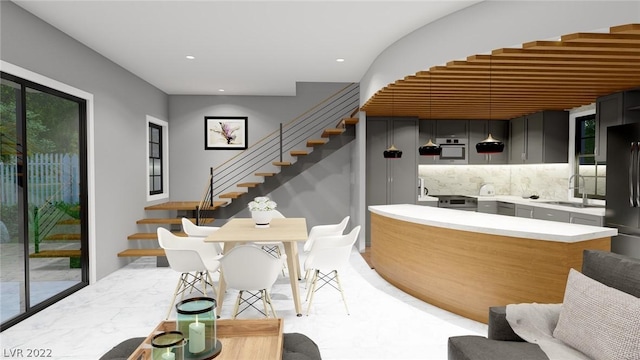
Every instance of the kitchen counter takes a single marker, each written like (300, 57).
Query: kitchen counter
(493, 224)
(597, 211)
(543, 203)
(465, 262)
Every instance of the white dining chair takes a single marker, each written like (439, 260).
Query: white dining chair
(326, 259)
(201, 231)
(185, 255)
(251, 271)
(325, 230)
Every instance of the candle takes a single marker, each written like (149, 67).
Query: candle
(196, 337)
(168, 355)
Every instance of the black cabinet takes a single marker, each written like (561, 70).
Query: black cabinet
(614, 109)
(478, 131)
(539, 138)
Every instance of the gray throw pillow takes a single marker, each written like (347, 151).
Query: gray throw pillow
(598, 320)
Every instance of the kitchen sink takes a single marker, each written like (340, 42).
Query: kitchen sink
(573, 204)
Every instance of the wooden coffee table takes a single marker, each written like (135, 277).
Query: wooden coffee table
(241, 339)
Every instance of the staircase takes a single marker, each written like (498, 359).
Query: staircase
(224, 199)
(56, 235)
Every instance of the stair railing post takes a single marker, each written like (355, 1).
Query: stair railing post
(211, 187)
(280, 142)
(197, 214)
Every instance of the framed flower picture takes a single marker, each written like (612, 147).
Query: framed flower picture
(225, 133)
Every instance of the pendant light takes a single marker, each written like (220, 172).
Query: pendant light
(490, 145)
(392, 152)
(430, 149)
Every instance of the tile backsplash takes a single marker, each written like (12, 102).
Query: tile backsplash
(549, 181)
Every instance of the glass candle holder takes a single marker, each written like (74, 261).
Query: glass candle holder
(197, 321)
(168, 346)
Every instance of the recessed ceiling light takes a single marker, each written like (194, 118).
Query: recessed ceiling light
(190, 57)
(221, 90)
(340, 60)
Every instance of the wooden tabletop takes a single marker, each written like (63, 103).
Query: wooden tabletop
(242, 230)
(241, 339)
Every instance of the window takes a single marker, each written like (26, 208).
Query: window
(594, 174)
(155, 159)
(158, 157)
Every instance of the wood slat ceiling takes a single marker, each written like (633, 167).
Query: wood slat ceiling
(542, 75)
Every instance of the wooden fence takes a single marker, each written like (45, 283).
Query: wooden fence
(50, 177)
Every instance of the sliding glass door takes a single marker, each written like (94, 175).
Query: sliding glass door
(43, 194)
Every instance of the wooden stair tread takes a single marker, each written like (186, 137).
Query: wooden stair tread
(55, 254)
(141, 252)
(155, 221)
(265, 174)
(281, 163)
(331, 132)
(316, 142)
(298, 153)
(249, 184)
(150, 236)
(350, 121)
(62, 237)
(69, 222)
(169, 221)
(174, 205)
(232, 195)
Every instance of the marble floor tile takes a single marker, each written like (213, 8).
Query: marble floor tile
(384, 322)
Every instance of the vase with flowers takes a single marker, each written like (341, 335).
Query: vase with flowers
(262, 211)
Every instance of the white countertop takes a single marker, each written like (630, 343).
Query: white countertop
(597, 211)
(493, 224)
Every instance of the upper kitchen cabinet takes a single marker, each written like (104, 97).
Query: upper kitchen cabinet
(478, 131)
(452, 129)
(539, 138)
(614, 109)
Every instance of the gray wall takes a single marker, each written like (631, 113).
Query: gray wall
(121, 102)
(321, 194)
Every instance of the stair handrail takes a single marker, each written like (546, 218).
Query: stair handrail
(336, 106)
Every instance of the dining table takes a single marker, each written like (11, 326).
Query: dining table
(244, 230)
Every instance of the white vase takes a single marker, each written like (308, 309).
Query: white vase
(262, 218)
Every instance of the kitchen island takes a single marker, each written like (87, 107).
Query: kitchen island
(465, 262)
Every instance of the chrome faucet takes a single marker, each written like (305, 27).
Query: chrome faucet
(582, 189)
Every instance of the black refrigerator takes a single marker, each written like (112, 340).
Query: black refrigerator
(623, 188)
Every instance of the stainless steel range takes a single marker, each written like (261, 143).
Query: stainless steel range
(458, 202)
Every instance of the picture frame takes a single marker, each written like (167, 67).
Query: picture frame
(225, 132)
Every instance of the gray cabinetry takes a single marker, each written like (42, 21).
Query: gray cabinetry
(452, 128)
(585, 219)
(614, 109)
(505, 208)
(551, 214)
(488, 207)
(524, 211)
(538, 138)
(478, 131)
(608, 113)
(391, 181)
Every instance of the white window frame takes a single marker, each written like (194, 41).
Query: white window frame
(165, 159)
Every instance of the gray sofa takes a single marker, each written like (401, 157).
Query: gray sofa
(502, 343)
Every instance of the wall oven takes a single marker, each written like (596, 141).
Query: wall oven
(454, 151)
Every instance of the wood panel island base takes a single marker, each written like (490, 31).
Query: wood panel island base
(465, 262)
